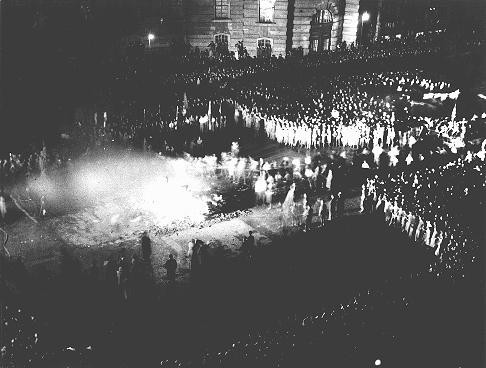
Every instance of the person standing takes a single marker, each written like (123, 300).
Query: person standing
(171, 266)
(122, 279)
(310, 216)
(146, 246)
(195, 258)
(260, 188)
(269, 195)
(251, 241)
(249, 247)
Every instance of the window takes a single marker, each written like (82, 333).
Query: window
(264, 47)
(221, 8)
(222, 41)
(267, 8)
(322, 16)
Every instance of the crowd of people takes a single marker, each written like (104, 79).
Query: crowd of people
(355, 111)
(436, 202)
(301, 336)
(320, 116)
(23, 331)
(438, 205)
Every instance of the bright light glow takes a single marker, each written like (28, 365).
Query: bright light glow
(42, 185)
(377, 362)
(308, 160)
(143, 189)
(151, 36)
(267, 8)
(296, 162)
(92, 182)
(260, 185)
(352, 26)
(365, 17)
(171, 202)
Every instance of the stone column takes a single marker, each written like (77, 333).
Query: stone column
(378, 20)
(351, 19)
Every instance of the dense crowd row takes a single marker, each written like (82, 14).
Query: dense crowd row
(300, 336)
(354, 111)
(440, 205)
(134, 119)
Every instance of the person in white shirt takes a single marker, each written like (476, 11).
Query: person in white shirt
(377, 151)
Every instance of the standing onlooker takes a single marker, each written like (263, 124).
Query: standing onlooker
(146, 246)
(171, 266)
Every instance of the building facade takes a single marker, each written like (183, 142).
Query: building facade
(276, 26)
(271, 26)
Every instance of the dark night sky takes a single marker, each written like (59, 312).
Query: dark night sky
(51, 63)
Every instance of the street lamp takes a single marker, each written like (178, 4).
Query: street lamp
(364, 18)
(150, 38)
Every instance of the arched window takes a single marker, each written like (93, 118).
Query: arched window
(266, 10)
(264, 47)
(221, 9)
(322, 16)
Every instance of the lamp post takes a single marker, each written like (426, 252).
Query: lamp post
(150, 38)
(364, 18)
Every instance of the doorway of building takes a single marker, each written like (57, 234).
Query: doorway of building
(264, 47)
(320, 31)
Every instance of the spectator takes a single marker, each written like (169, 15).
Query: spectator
(171, 266)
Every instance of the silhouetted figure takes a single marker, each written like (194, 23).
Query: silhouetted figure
(171, 266)
(334, 205)
(195, 256)
(340, 204)
(122, 280)
(203, 255)
(308, 220)
(249, 246)
(146, 246)
(251, 240)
